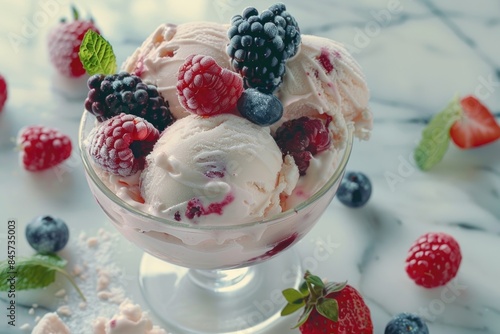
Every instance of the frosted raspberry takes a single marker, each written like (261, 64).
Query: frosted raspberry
(205, 88)
(121, 144)
(303, 138)
(42, 147)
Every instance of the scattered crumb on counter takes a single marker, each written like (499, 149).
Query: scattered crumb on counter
(103, 285)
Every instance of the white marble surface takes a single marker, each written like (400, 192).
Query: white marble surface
(416, 56)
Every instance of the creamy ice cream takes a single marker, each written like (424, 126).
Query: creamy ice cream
(164, 51)
(323, 78)
(216, 170)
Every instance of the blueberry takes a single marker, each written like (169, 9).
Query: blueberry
(47, 234)
(260, 108)
(406, 323)
(355, 189)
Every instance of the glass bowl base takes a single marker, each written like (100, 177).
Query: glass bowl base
(244, 300)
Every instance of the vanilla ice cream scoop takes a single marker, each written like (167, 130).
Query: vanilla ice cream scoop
(218, 170)
(324, 79)
(158, 60)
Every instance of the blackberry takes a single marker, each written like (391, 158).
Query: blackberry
(260, 44)
(112, 95)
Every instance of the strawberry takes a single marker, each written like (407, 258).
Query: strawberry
(42, 147)
(328, 307)
(433, 259)
(3, 92)
(476, 126)
(64, 43)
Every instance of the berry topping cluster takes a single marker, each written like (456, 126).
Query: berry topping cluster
(121, 144)
(260, 44)
(303, 138)
(110, 95)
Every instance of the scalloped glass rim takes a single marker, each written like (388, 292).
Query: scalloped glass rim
(102, 187)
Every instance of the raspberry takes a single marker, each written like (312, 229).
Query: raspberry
(64, 43)
(205, 88)
(3, 92)
(42, 147)
(433, 260)
(261, 44)
(121, 144)
(119, 93)
(303, 138)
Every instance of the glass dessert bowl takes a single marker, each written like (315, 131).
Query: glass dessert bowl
(214, 278)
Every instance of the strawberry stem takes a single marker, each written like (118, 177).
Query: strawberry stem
(76, 15)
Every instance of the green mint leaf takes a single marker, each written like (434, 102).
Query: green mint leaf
(34, 272)
(292, 295)
(436, 136)
(291, 308)
(329, 308)
(96, 54)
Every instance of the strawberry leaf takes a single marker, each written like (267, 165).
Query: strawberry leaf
(96, 54)
(291, 308)
(315, 280)
(292, 295)
(304, 316)
(436, 136)
(334, 286)
(304, 290)
(329, 308)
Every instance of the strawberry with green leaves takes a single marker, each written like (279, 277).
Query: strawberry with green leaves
(64, 43)
(467, 122)
(335, 308)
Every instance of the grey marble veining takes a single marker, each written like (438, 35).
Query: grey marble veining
(416, 56)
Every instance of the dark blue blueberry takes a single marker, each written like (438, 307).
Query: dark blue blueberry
(406, 323)
(47, 234)
(260, 108)
(355, 189)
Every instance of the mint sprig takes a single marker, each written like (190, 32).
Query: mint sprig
(35, 272)
(96, 54)
(436, 136)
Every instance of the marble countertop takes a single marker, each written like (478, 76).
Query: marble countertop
(416, 56)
